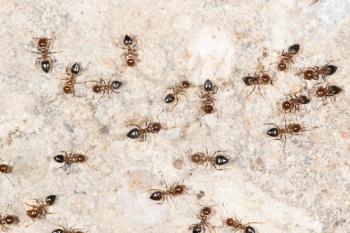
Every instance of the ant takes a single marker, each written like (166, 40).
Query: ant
(40, 209)
(4, 168)
(141, 133)
(65, 230)
(209, 90)
(327, 91)
(129, 47)
(43, 48)
(287, 57)
(201, 158)
(314, 73)
(7, 220)
(109, 87)
(257, 80)
(69, 158)
(177, 90)
(73, 72)
(203, 225)
(161, 195)
(293, 103)
(237, 225)
(292, 129)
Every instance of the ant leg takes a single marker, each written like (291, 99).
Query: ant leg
(250, 92)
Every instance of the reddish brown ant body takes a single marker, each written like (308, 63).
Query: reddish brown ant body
(207, 91)
(40, 209)
(109, 87)
(327, 91)
(292, 104)
(177, 90)
(72, 72)
(130, 50)
(162, 195)
(236, 225)
(314, 73)
(204, 159)
(7, 220)
(292, 129)
(257, 81)
(69, 158)
(287, 57)
(141, 133)
(203, 224)
(66, 230)
(43, 48)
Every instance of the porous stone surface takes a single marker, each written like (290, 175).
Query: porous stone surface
(301, 185)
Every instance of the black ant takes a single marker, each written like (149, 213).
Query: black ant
(69, 158)
(40, 209)
(43, 48)
(65, 230)
(287, 57)
(292, 129)
(73, 72)
(141, 133)
(7, 220)
(293, 103)
(177, 90)
(204, 224)
(207, 91)
(109, 87)
(162, 195)
(129, 47)
(257, 81)
(327, 91)
(204, 159)
(236, 225)
(314, 73)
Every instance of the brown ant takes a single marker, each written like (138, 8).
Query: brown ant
(68, 159)
(141, 133)
(216, 159)
(327, 91)
(162, 195)
(43, 48)
(177, 90)
(292, 129)
(73, 72)
(6, 169)
(65, 230)
(257, 81)
(7, 220)
(129, 47)
(287, 57)
(207, 91)
(40, 209)
(293, 103)
(204, 224)
(236, 225)
(109, 87)
(314, 73)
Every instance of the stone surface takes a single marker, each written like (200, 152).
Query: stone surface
(302, 185)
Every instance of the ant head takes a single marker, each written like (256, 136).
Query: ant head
(127, 40)
(156, 196)
(308, 74)
(208, 109)
(81, 158)
(320, 92)
(206, 211)
(282, 66)
(266, 78)
(156, 126)
(59, 158)
(4, 168)
(43, 42)
(273, 132)
(230, 222)
(116, 84)
(33, 213)
(185, 84)
(133, 133)
(130, 62)
(296, 128)
(169, 98)
(294, 49)
(179, 189)
(286, 105)
(67, 89)
(96, 88)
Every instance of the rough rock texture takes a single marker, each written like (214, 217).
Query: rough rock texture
(302, 185)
